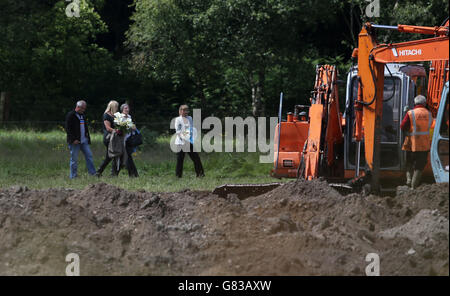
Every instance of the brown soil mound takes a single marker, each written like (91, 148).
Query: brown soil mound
(301, 228)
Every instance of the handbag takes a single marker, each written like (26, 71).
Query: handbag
(134, 140)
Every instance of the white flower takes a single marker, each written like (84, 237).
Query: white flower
(122, 121)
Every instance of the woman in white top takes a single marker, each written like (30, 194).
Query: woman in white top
(184, 129)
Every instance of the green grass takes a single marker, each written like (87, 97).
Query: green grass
(41, 160)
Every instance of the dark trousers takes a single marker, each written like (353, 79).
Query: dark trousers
(106, 161)
(416, 160)
(131, 167)
(195, 158)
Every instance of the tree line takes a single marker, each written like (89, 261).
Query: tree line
(227, 57)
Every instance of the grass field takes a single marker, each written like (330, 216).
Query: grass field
(41, 160)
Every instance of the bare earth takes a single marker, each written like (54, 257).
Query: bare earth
(301, 228)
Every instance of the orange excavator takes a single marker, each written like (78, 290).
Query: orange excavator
(311, 147)
(372, 58)
(360, 147)
(379, 88)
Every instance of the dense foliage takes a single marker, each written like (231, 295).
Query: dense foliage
(228, 57)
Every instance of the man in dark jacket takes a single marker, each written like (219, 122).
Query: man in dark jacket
(78, 139)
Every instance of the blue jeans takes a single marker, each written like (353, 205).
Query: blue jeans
(74, 150)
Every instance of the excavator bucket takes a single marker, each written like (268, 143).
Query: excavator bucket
(244, 191)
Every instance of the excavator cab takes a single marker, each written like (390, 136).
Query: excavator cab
(401, 84)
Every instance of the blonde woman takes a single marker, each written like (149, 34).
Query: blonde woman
(108, 127)
(184, 128)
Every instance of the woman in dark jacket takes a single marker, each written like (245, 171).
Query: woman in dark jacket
(108, 127)
(132, 170)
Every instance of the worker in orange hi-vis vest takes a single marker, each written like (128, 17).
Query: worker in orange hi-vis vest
(418, 124)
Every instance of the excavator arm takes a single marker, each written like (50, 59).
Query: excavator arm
(436, 31)
(325, 130)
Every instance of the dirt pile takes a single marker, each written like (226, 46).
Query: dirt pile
(301, 228)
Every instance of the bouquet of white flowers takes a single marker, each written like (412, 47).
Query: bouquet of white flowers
(189, 135)
(123, 123)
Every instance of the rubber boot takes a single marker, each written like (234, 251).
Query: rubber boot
(408, 178)
(416, 179)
